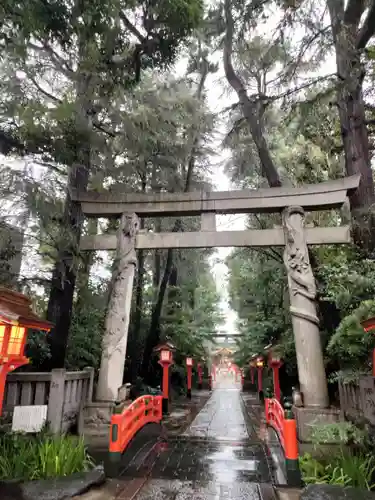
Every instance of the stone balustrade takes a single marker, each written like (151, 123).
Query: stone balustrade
(65, 393)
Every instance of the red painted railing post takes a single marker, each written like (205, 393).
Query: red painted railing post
(291, 448)
(284, 424)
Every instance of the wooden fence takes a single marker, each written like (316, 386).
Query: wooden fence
(64, 393)
(357, 400)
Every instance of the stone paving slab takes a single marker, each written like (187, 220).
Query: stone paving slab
(205, 461)
(221, 417)
(219, 456)
(186, 490)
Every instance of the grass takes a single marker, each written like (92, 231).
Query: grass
(346, 469)
(43, 456)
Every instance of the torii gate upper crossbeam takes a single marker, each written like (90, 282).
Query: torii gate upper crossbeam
(313, 197)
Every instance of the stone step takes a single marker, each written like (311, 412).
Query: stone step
(95, 425)
(90, 433)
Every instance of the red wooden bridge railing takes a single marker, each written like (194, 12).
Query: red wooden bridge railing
(283, 422)
(124, 426)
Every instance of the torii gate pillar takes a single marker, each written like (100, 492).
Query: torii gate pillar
(118, 314)
(305, 321)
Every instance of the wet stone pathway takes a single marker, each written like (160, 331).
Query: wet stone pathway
(218, 458)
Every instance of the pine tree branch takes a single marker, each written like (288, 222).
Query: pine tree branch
(131, 27)
(59, 63)
(43, 91)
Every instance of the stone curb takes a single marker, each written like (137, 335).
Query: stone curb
(53, 489)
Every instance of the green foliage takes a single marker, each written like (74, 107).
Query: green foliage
(344, 469)
(41, 457)
(193, 316)
(7, 253)
(343, 433)
(37, 348)
(257, 286)
(350, 344)
(84, 347)
(346, 278)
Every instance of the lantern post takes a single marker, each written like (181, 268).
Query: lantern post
(260, 365)
(165, 360)
(189, 366)
(275, 362)
(16, 317)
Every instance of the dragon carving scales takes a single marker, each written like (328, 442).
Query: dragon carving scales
(296, 259)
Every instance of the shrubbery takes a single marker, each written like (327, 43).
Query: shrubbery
(41, 457)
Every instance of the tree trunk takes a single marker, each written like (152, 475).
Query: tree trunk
(252, 110)
(64, 274)
(87, 259)
(351, 109)
(135, 344)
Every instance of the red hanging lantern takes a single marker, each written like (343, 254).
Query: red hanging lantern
(16, 317)
(165, 352)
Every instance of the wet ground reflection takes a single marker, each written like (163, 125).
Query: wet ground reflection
(219, 456)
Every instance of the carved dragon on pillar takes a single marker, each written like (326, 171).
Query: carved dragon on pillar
(296, 259)
(129, 226)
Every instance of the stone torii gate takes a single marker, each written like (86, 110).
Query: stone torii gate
(293, 235)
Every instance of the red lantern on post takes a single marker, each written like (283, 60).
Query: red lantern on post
(369, 325)
(165, 360)
(260, 365)
(275, 362)
(16, 317)
(189, 366)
